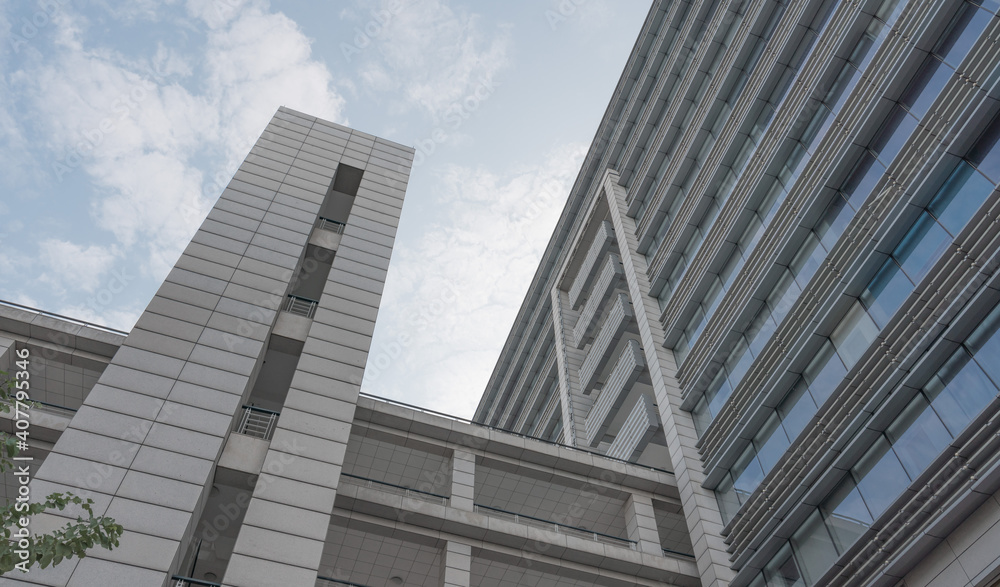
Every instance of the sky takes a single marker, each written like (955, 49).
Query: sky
(122, 120)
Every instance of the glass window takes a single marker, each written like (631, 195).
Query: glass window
(790, 291)
(917, 436)
(771, 443)
(782, 570)
(824, 373)
(926, 86)
(747, 473)
(846, 514)
(921, 247)
(886, 292)
(813, 547)
(959, 391)
(985, 336)
(960, 197)
(701, 416)
(750, 236)
(713, 297)
(880, 477)
(681, 349)
(808, 259)
(817, 127)
(903, 126)
(695, 323)
(853, 335)
(834, 221)
(970, 25)
(739, 361)
(796, 409)
(986, 154)
(729, 503)
(760, 330)
(721, 395)
(860, 186)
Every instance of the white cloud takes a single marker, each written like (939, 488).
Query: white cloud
(69, 265)
(433, 55)
(450, 301)
(260, 62)
(103, 314)
(142, 136)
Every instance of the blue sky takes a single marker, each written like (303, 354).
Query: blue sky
(121, 121)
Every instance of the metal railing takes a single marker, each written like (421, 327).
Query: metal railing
(180, 581)
(512, 433)
(331, 225)
(257, 422)
(301, 306)
(397, 489)
(47, 407)
(667, 551)
(556, 526)
(328, 580)
(61, 317)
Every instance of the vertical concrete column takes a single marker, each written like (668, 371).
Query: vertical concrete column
(456, 565)
(701, 511)
(575, 406)
(463, 480)
(6, 354)
(146, 440)
(282, 536)
(640, 521)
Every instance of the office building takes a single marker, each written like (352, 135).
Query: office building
(775, 277)
(760, 349)
(227, 434)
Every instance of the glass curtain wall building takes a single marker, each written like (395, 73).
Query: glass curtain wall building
(761, 348)
(775, 277)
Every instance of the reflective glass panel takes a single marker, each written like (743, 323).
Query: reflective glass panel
(966, 392)
(960, 197)
(881, 477)
(926, 86)
(986, 154)
(849, 517)
(853, 335)
(824, 373)
(747, 473)
(921, 247)
(813, 547)
(782, 570)
(886, 292)
(796, 409)
(917, 436)
(971, 24)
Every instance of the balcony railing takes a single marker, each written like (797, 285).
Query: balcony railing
(397, 489)
(301, 306)
(326, 581)
(189, 582)
(257, 422)
(556, 527)
(331, 225)
(668, 552)
(47, 407)
(510, 432)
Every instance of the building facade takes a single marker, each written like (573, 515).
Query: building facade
(760, 349)
(775, 276)
(228, 436)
